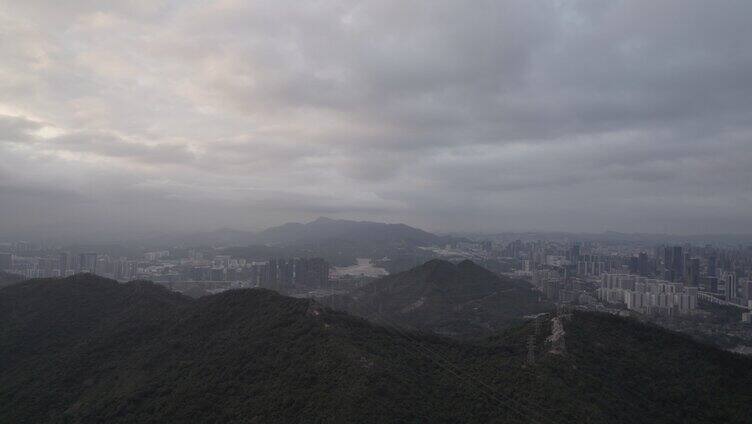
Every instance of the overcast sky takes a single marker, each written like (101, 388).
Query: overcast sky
(147, 116)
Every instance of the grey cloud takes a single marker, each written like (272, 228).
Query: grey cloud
(581, 115)
(12, 194)
(16, 128)
(111, 145)
(22, 130)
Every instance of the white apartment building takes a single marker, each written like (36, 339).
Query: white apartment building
(648, 296)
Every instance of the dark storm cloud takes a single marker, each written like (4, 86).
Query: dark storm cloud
(583, 115)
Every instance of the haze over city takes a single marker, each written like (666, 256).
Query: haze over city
(141, 116)
(376, 211)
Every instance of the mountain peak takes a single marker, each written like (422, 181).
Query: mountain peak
(463, 300)
(326, 229)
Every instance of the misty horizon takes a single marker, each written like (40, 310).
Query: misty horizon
(198, 236)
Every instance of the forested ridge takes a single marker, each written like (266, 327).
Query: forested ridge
(87, 349)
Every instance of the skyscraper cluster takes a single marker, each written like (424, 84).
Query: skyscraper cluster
(293, 273)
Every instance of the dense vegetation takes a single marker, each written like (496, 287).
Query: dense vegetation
(462, 300)
(85, 349)
(7, 278)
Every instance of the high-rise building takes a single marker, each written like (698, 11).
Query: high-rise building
(692, 272)
(728, 282)
(660, 255)
(747, 289)
(21, 247)
(668, 274)
(217, 274)
(64, 262)
(574, 254)
(712, 266)
(278, 273)
(677, 256)
(300, 273)
(711, 284)
(45, 267)
(103, 266)
(87, 262)
(634, 265)
(643, 264)
(124, 269)
(648, 296)
(673, 260)
(313, 272)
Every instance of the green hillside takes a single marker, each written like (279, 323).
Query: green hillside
(462, 300)
(7, 278)
(85, 349)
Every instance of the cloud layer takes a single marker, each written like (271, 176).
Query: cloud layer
(490, 115)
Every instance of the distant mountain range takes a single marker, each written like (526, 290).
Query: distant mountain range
(322, 230)
(615, 237)
(459, 300)
(85, 349)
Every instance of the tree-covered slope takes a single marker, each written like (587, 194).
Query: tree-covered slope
(242, 356)
(462, 300)
(7, 278)
(86, 349)
(606, 369)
